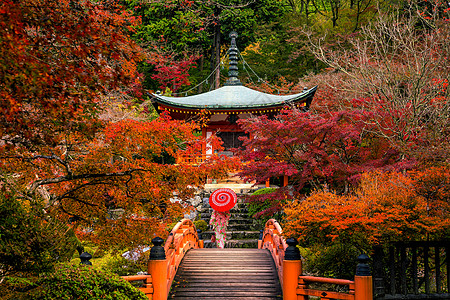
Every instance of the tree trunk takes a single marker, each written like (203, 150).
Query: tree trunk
(217, 55)
(201, 66)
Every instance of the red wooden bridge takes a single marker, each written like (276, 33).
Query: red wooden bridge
(182, 269)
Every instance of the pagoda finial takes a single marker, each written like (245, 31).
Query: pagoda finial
(233, 56)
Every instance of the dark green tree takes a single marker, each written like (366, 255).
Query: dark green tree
(183, 30)
(31, 242)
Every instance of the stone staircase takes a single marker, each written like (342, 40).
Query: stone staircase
(242, 231)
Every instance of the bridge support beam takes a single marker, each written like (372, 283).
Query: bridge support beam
(157, 267)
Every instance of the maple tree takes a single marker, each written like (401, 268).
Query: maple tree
(387, 207)
(60, 61)
(57, 59)
(433, 184)
(129, 167)
(171, 71)
(396, 71)
(314, 149)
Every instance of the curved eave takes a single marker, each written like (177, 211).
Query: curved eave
(234, 98)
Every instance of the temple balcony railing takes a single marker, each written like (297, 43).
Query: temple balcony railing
(197, 159)
(192, 159)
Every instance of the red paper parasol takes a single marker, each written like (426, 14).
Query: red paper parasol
(223, 199)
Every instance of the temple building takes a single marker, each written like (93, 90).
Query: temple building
(227, 104)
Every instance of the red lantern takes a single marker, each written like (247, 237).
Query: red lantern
(223, 199)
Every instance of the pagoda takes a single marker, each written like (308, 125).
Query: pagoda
(226, 105)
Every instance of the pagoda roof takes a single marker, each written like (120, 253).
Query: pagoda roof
(235, 97)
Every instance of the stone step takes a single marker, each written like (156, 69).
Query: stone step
(240, 216)
(247, 243)
(242, 230)
(236, 221)
(241, 220)
(236, 218)
(232, 227)
(233, 235)
(243, 215)
(241, 227)
(209, 211)
(207, 207)
(236, 209)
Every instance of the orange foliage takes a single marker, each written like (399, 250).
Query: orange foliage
(57, 59)
(128, 169)
(387, 207)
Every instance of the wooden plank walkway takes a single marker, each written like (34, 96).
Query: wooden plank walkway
(226, 274)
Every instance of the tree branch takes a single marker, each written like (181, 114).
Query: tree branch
(47, 181)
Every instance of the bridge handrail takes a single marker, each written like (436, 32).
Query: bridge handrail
(163, 267)
(147, 288)
(182, 238)
(303, 289)
(274, 241)
(295, 285)
(326, 280)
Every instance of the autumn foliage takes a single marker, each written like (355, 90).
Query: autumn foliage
(116, 183)
(368, 164)
(314, 149)
(129, 168)
(387, 207)
(380, 115)
(57, 59)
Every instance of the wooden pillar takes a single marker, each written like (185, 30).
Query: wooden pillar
(292, 269)
(363, 288)
(363, 279)
(204, 143)
(157, 267)
(268, 183)
(285, 180)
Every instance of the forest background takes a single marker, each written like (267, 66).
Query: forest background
(79, 137)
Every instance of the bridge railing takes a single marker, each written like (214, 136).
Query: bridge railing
(183, 237)
(165, 260)
(147, 287)
(273, 240)
(295, 286)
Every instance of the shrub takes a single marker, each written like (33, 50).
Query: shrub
(123, 267)
(201, 224)
(265, 204)
(84, 282)
(254, 207)
(31, 242)
(336, 261)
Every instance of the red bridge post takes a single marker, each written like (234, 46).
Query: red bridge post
(157, 267)
(363, 279)
(292, 269)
